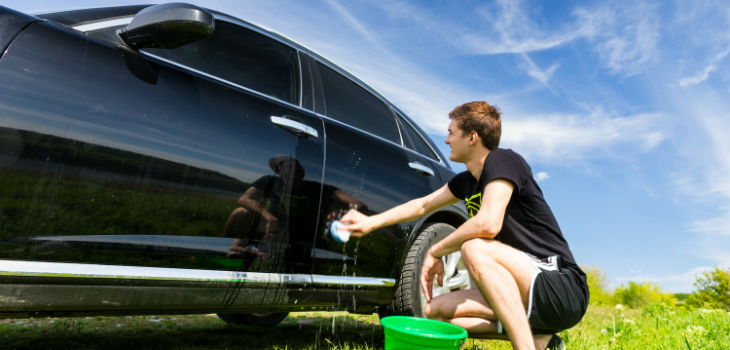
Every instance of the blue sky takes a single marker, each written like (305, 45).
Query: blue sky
(621, 107)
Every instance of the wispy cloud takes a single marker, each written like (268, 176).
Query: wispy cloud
(702, 76)
(356, 24)
(716, 225)
(624, 37)
(483, 45)
(515, 32)
(689, 81)
(543, 76)
(700, 173)
(674, 282)
(629, 49)
(711, 237)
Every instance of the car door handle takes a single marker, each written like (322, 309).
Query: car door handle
(420, 168)
(295, 126)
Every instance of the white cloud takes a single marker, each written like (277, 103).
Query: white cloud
(651, 140)
(541, 176)
(567, 136)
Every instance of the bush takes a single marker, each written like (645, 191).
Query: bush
(713, 290)
(640, 294)
(597, 286)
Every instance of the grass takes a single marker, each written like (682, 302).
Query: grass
(651, 327)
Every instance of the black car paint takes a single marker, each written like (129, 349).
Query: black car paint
(113, 157)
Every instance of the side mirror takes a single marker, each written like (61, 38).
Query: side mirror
(167, 26)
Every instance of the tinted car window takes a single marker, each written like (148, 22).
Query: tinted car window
(243, 57)
(413, 140)
(353, 105)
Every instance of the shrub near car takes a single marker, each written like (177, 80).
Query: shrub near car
(172, 159)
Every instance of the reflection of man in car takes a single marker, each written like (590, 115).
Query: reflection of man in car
(277, 215)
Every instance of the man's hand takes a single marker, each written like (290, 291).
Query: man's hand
(432, 266)
(357, 223)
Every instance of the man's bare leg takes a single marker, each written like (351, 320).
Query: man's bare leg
(466, 309)
(503, 276)
(469, 310)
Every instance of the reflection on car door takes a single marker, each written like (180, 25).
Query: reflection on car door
(119, 159)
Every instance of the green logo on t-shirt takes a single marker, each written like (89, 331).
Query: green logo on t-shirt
(473, 204)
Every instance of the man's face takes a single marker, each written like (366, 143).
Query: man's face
(459, 142)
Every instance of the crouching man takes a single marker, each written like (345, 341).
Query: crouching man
(529, 286)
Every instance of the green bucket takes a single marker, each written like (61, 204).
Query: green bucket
(405, 332)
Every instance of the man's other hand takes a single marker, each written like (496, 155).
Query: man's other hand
(432, 267)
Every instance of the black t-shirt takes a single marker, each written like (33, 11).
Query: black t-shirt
(529, 224)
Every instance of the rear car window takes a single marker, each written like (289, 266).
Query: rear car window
(351, 104)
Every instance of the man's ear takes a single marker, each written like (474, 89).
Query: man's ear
(473, 136)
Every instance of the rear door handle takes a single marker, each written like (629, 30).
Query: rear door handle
(420, 168)
(298, 128)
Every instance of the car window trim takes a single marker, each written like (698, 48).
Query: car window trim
(103, 24)
(219, 79)
(301, 77)
(402, 118)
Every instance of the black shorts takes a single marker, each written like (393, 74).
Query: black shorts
(558, 300)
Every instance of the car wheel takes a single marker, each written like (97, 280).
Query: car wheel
(256, 319)
(409, 299)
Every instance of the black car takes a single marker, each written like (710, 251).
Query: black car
(173, 159)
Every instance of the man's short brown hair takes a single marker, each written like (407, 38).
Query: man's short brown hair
(481, 117)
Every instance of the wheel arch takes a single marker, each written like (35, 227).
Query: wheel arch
(453, 215)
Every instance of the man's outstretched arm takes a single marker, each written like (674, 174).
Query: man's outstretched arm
(360, 225)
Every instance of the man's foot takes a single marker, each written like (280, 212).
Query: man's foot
(555, 343)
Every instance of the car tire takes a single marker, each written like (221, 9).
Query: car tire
(255, 319)
(409, 299)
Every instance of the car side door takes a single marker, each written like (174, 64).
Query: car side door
(196, 157)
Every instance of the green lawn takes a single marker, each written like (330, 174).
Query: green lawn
(653, 327)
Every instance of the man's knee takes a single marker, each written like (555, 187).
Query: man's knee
(433, 310)
(478, 252)
(428, 311)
